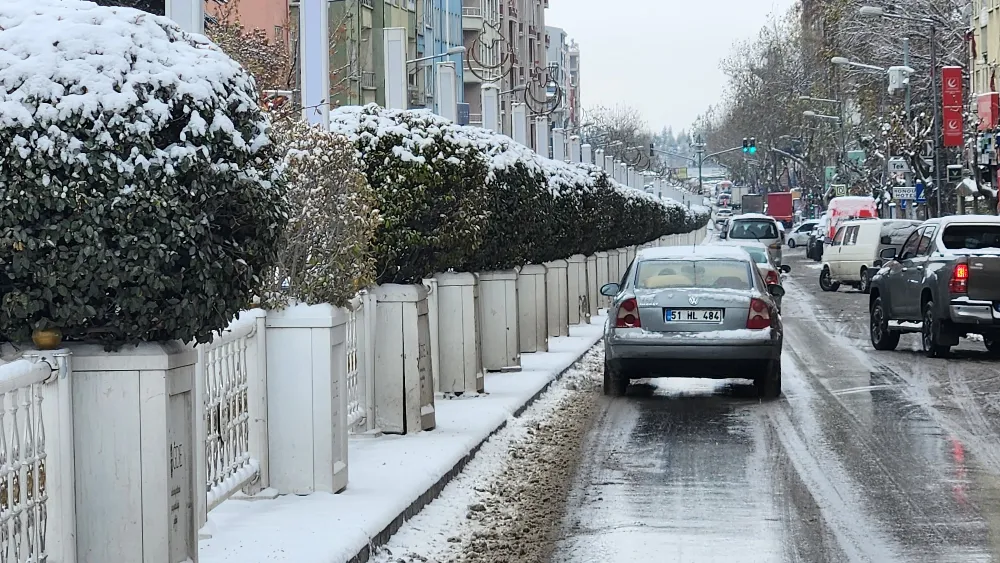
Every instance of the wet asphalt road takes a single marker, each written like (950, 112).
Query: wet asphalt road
(868, 456)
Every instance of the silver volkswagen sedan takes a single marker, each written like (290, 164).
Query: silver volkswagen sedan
(693, 311)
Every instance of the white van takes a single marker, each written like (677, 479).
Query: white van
(853, 255)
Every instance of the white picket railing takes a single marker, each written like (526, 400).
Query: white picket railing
(361, 363)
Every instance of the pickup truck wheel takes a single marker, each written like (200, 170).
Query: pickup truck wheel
(826, 282)
(768, 386)
(615, 384)
(866, 281)
(930, 334)
(992, 345)
(882, 337)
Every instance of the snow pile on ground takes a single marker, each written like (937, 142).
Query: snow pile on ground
(502, 507)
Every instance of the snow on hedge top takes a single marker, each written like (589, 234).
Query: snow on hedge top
(63, 58)
(418, 129)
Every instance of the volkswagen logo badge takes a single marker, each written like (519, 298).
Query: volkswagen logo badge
(692, 300)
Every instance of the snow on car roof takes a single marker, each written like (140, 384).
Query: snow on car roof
(701, 251)
(753, 216)
(739, 243)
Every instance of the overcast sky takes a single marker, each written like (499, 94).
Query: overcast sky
(660, 56)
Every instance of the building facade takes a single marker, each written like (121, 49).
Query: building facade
(572, 100)
(557, 58)
(481, 36)
(522, 23)
(984, 35)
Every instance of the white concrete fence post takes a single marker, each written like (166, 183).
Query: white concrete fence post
(587, 151)
(307, 398)
(609, 166)
(490, 94)
(430, 284)
(498, 319)
(558, 144)
(532, 318)
(134, 451)
(404, 385)
(575, 154)
(556, 305)
(603, 275)
(542, 136)
(461, 365)
(519, 123)
(575, 291)
(593, 285)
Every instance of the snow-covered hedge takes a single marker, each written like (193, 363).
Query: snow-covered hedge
(325, 254)
(464, 198)
(139, 190)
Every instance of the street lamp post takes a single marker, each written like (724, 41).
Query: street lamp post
(878, 12)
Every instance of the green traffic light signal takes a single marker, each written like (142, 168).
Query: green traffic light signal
(753, 150)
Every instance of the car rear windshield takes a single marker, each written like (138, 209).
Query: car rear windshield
(753, 229)
(972, 237)
(759, 255)
(715, 273)
(898, 231)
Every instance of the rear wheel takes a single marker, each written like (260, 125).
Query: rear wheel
(882, 337)
(791, 243)
(826, 282)
(930, 334)
(992, 344)
(866, 281)
(615, 384)
(768, 386)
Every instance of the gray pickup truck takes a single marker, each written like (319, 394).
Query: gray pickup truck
(944, 283)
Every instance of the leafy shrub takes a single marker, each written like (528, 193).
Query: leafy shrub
(428, 186)
(140, 197)
(325, 254)
(516, 206)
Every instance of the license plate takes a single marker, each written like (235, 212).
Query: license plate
(692, 315)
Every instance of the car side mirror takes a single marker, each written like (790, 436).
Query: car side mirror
(776, 290)
(887, 254)
(610, 289)
(723, 235)
(886, 240)
(786, 269)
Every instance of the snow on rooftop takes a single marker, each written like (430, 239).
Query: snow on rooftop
(693, 251)
(62, 58)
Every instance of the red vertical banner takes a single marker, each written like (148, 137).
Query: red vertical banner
(951, 86)
(952, 106)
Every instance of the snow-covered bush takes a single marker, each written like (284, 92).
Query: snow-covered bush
(428, 189)
(140, 197)
(325, 254)
(518, 207)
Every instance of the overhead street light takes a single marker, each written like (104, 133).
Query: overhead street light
(448, 53)
(878, 12)
(844, 61)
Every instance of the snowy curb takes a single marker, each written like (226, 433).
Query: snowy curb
(383, 537)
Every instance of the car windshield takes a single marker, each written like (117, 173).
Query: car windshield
(753, 229)
(759, 255)
(972, 237)
(708, 273)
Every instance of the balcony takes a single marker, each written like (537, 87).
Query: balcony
(472, 18)
(368, 80)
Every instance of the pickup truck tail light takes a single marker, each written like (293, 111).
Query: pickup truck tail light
(760, 316)
(959, 279)
(775, 246)
(628, 315)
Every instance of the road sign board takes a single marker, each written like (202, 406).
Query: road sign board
(898, 164)
(904, 192)
(839, 189)
(902, 205)
(919, 192)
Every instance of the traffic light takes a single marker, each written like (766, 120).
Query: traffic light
(746, 145)
(753, 145)
(651, 150)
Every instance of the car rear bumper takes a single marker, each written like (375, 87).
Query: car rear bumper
(727, 346)
(968, 311)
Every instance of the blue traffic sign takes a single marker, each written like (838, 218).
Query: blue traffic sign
(920, 192)
(902, 204)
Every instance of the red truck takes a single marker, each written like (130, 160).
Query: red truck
(779, 206)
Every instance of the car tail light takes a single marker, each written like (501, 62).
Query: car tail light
(959, 279)
(772, 278)
(760, 315)
(628, 315)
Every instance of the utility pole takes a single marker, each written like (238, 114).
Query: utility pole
(699, 149)
(938, 182)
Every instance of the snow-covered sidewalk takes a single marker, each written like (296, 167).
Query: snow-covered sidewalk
(391, 477)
